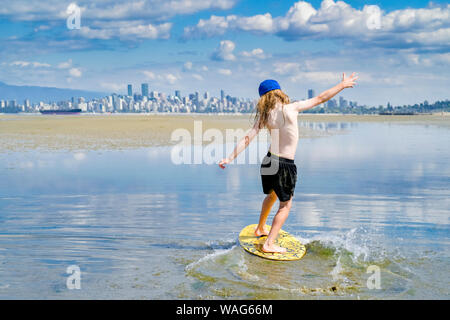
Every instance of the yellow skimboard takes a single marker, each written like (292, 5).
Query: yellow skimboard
(253, 244)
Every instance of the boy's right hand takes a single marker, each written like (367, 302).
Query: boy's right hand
(350, 81)
(223, 162)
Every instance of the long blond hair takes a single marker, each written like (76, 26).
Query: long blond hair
(266, 103)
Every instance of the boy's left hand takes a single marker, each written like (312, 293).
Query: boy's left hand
(350, 81)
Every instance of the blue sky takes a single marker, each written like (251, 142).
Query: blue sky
(400, 49)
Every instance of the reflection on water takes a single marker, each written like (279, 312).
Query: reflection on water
(327, 126)
(139, 226)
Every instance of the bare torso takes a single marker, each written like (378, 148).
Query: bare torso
(283, 131)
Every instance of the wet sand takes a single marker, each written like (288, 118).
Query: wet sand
(124, 131)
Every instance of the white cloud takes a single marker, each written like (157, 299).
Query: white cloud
(296, 72)
(75, 72)
(417, 60)
(226, 72)
(197, 76)
(214, 26)
(259, 23)
(150, 9)
(150, 75)
(255, 53)
(322, 77)
(110, 9)
(33, 64)
(111, 19)
(65, 65)
(169, 78)
(187, 66)
(224, 52)
(20, 63)
(38, 64)
(41, 27)
(126, 30)
(286, 68)
(426, 60)
(338, 20)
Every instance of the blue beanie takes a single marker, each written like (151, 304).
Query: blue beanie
(268, 85)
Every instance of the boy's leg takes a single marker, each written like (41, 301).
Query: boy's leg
(278, 221)
(268, 202)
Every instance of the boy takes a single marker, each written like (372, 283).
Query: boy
(278, 170)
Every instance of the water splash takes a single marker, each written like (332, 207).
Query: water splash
(360, 245)
(219, 248)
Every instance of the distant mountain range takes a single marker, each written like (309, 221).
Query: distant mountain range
(46, 94)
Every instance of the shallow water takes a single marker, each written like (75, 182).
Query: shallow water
(140, 227)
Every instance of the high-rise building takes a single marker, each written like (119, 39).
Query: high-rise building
(144, 89)
(178, 94)
(222, 95)
(310, 93)
(332, 103)
(130, 90)
(342, 102)
(83, 106)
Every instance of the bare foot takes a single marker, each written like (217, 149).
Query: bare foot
(262, 232)
(273, 249)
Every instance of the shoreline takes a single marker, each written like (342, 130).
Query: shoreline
(128, 131)
(441, 117)
(445, 114)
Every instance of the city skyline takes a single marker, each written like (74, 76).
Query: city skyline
(158, 102)
(399, 49)
(195, 102)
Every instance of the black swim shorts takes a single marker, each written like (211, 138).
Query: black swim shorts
(280, 175)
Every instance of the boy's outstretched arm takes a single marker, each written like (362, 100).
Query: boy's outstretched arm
(241, 145)
(348, 82)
